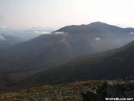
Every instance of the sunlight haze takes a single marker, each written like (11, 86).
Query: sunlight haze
(55, 14)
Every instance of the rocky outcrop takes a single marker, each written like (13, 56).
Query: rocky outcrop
(94, 90)
(115, 90)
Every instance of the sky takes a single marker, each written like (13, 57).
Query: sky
(19, 14)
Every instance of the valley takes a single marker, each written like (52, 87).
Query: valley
(97, 51)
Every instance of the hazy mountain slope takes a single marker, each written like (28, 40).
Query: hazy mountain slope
(106, 33)
(42, 52)
(98, 36)
(106, 66)
(117, 63)
(97, 29)
(6, 40)
(61, 46)
(120, 64)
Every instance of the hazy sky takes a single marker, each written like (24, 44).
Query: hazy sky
(59, 13)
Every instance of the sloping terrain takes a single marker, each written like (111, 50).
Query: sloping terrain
(111, 64)
(42, 52)
(63, 45)
(117, 63)
(7, 41)
(93, 90)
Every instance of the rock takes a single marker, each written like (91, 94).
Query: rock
(111, 89)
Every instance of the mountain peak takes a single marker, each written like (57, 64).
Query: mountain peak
(98, 23)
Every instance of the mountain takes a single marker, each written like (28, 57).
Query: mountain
(97, 29)
(6, 40)
(25, 34)
(107, 65)
(117, 63)
(97, 36)
(42, 52)
(51, 50)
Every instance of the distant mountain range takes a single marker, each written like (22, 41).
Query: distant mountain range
(47, 59)
(61, 46)
(6, 40)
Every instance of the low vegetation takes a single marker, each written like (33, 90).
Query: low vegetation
(94, 90)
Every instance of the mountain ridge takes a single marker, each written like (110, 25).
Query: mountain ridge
(117, 64)
(47, 59)
(52, 50)
(7, 41)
